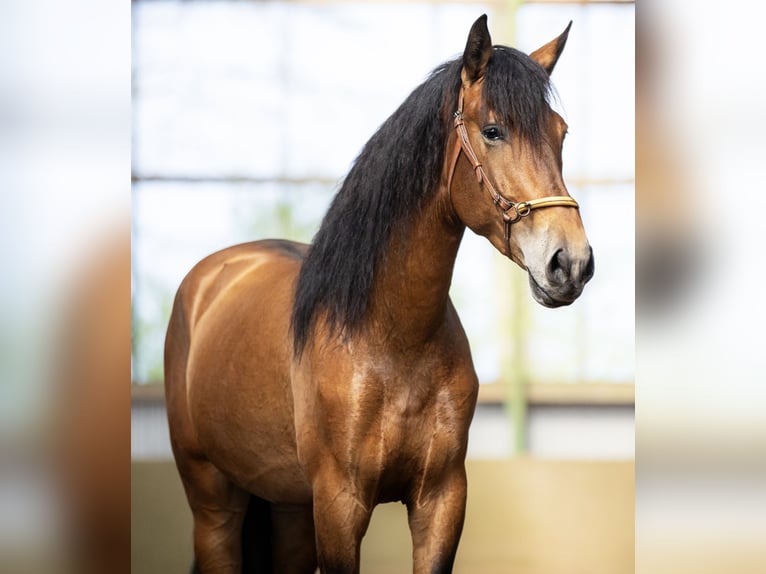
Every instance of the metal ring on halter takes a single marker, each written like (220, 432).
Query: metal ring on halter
(521, 209)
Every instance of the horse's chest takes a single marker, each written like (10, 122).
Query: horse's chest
(414, 419)
(417, 440)
(385, 427)
(416, 428)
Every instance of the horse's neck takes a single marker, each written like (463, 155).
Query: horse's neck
(412, 291)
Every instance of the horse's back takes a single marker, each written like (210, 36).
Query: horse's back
(250, 264)
(227, 362)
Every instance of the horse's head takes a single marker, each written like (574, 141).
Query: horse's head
(505, 176)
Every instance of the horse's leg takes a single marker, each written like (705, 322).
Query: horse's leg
(436, 521)
(294, 540)
(218, 508)
(340, 519)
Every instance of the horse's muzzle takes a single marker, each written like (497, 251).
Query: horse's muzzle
(565, 277)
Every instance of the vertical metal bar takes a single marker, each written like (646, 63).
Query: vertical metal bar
(512, 364)
(519, 376)
(513, 367)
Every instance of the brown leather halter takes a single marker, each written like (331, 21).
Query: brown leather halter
(511, 212)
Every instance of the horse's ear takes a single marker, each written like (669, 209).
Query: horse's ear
(478, 50)
(548, 55)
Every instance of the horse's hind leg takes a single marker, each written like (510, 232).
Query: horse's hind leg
(294, 539)
(218, 508)
(217, 505)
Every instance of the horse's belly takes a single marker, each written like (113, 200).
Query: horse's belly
(250, 437)
(261, 463)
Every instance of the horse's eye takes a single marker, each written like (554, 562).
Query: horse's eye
(492, 133)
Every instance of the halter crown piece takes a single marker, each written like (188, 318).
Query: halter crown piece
(511, 212)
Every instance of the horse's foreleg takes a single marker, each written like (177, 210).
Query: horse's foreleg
(436, 517)
(340, 519)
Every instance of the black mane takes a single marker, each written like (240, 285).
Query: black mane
(396, 170)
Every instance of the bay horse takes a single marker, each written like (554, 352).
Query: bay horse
(307, 383)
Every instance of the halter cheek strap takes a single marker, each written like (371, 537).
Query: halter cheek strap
(510, 211)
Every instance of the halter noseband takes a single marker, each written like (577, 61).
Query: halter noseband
(511, 212)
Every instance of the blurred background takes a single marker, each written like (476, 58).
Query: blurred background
(100, 102)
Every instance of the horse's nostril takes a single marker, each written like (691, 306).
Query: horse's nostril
(590, 268)
(558, 267)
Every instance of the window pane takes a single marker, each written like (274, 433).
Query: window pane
(269, 89)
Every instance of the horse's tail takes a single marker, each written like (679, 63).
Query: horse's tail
(257, 538)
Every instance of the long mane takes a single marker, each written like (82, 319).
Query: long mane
(395, 172)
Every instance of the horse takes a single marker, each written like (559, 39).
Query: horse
(305, 384)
